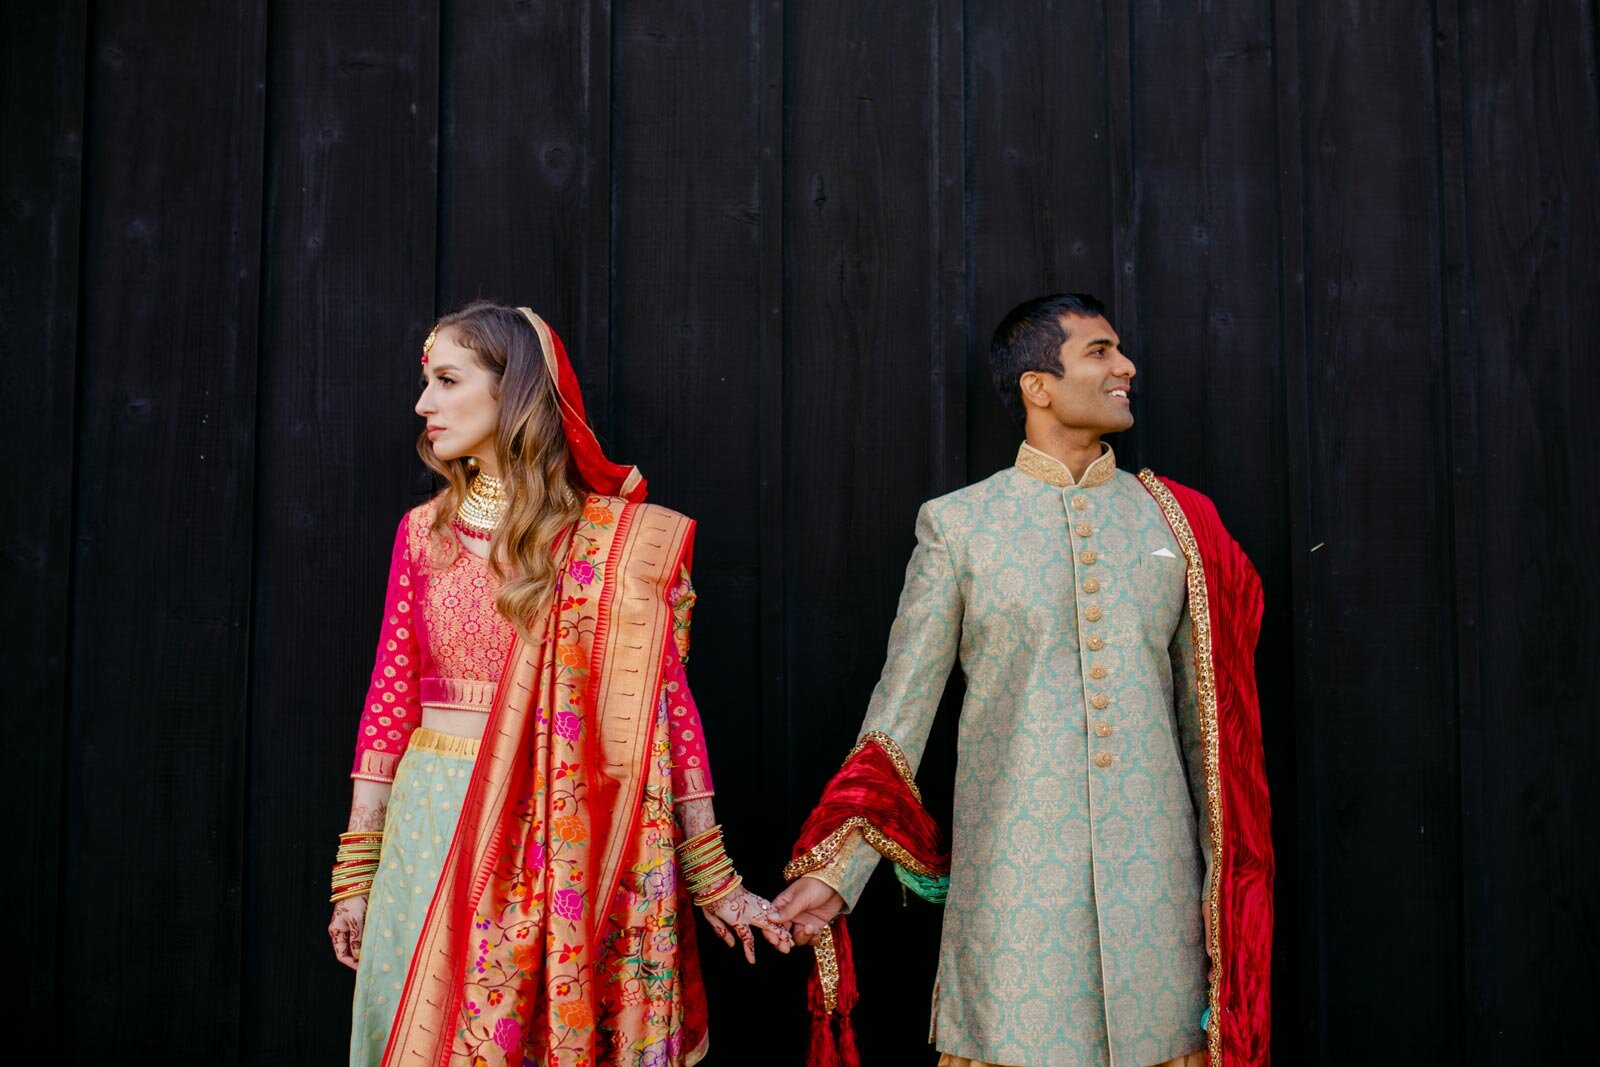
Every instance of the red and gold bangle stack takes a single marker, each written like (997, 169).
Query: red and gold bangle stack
(706, 867)
(356, 863)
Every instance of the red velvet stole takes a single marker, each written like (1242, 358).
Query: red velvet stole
(1225, 606)
(875, 796)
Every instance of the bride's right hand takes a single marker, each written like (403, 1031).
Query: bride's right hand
(349, 917)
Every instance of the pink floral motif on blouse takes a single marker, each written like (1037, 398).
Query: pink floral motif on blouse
(443, 644)
(691, 770)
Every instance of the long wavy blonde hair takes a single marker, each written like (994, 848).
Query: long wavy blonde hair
(531, 451)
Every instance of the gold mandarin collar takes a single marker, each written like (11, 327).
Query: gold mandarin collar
(1035, 464)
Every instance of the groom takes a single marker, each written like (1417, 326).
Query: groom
(1110, 794)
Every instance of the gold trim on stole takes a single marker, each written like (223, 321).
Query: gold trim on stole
(1206, 683)
(826, 851)
(640, 624)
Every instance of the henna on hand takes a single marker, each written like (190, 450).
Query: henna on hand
(349, 921)
(741, 910)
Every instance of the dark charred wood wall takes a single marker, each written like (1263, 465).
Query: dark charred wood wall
(1353, 248)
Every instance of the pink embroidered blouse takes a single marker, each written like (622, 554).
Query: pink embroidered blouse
(444, 645)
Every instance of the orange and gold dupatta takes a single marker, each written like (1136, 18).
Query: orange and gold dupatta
(561, 864)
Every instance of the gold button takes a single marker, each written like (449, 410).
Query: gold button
(1087, 557)
(1103, 760)
(1097, 672)
(1091, 586)
(1096, 643)
(1084, 529)
(1094, 613)
(1102, 729)
(1100, 700)
(1080, 503)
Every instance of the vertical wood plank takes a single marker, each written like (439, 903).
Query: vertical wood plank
(164, 498)
(777, 713)
(1297, 1036)
(1039, 199)
(348, 298)
(1384, 666)
(42, 73)
(1122, 300)
(687, 336)
(525, 139)
(1532, 206)
(1206, 335)
(1454, 289)
(954, 335)
(866, 355)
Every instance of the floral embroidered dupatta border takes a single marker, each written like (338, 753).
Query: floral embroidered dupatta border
(551, 810)
(1225, 608)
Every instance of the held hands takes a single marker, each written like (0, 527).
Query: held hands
(737, 912)
(349, 918)
(807, 906)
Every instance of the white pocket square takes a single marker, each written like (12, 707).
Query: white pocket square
(1164, 553)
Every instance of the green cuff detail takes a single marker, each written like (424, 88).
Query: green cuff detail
(932, 889)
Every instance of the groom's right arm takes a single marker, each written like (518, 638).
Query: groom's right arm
(922, 649)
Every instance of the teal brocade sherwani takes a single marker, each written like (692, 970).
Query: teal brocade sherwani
(1072, 934)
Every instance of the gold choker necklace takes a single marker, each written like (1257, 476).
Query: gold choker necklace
(486, 502)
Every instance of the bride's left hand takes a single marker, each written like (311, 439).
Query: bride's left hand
(740, 910)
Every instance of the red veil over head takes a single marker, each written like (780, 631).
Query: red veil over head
(598, 473)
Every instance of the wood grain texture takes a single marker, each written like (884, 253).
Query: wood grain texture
(348, 299)
(687, 333)
(1532, 169)
(523, 176)
(42, 77)
(865, 204)
(157, 724)
(1297, 1034)
(1384, 666)
(1351, 247)
(1038, 181)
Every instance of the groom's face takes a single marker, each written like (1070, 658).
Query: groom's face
(1094, 389)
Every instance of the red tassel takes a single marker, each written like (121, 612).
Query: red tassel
(828, 1049)
(822, 1052)
(847, 967)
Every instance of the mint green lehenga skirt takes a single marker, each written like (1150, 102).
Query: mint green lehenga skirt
(424, 806)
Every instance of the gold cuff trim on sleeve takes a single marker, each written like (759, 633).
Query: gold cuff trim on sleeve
(380, 779)
(826, 851)
(896, 756)
(378, 763)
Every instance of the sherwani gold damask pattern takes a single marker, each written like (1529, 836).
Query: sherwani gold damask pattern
(1072, 933)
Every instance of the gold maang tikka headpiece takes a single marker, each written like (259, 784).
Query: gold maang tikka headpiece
(427, 344)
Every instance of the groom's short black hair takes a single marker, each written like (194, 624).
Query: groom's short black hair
(1029, 338)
